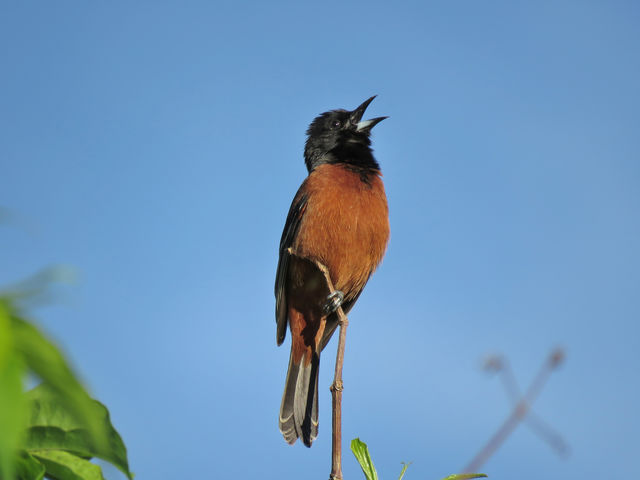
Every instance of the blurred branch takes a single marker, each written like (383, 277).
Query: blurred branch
(521, 409)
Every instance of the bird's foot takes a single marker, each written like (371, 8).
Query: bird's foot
(333, 302)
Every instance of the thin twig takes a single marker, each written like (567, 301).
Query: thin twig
(337, 385)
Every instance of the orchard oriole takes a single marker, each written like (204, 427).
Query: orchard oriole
(339, 217)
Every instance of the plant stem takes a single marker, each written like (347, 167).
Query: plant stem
(337, 385)
(336, 397)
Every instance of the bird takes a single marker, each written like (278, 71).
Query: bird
(339, 217)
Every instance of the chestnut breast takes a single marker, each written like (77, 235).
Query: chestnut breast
(345, 225)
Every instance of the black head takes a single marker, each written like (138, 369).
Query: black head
(341, 136)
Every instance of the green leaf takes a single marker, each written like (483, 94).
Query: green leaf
(361, 452)
(66, 466)
(28, 468)
(6, 338)
(46, 361)
(52, 427)
(404, 469)
(12, 403)
(37, 289)
(464, 476)
(57, 423)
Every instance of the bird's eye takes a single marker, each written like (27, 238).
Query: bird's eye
(336, 124)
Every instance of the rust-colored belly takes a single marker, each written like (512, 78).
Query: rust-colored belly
(345, 225)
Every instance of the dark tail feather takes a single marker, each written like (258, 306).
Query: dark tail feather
(299, 408)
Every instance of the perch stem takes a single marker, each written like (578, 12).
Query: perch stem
(336, 387)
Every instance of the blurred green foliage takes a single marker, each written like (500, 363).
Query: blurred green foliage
(53, 430)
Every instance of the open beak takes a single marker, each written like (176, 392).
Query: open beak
(364, 125)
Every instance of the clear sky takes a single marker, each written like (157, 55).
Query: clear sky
(156, 146)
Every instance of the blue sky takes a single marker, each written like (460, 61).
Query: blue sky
(156, 146)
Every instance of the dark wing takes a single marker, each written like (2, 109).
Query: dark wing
(291, 227)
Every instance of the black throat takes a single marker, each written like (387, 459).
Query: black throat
(357, 158)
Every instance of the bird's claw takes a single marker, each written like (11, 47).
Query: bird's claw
(333, 302)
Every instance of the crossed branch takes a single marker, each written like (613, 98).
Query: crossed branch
(522, 408)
